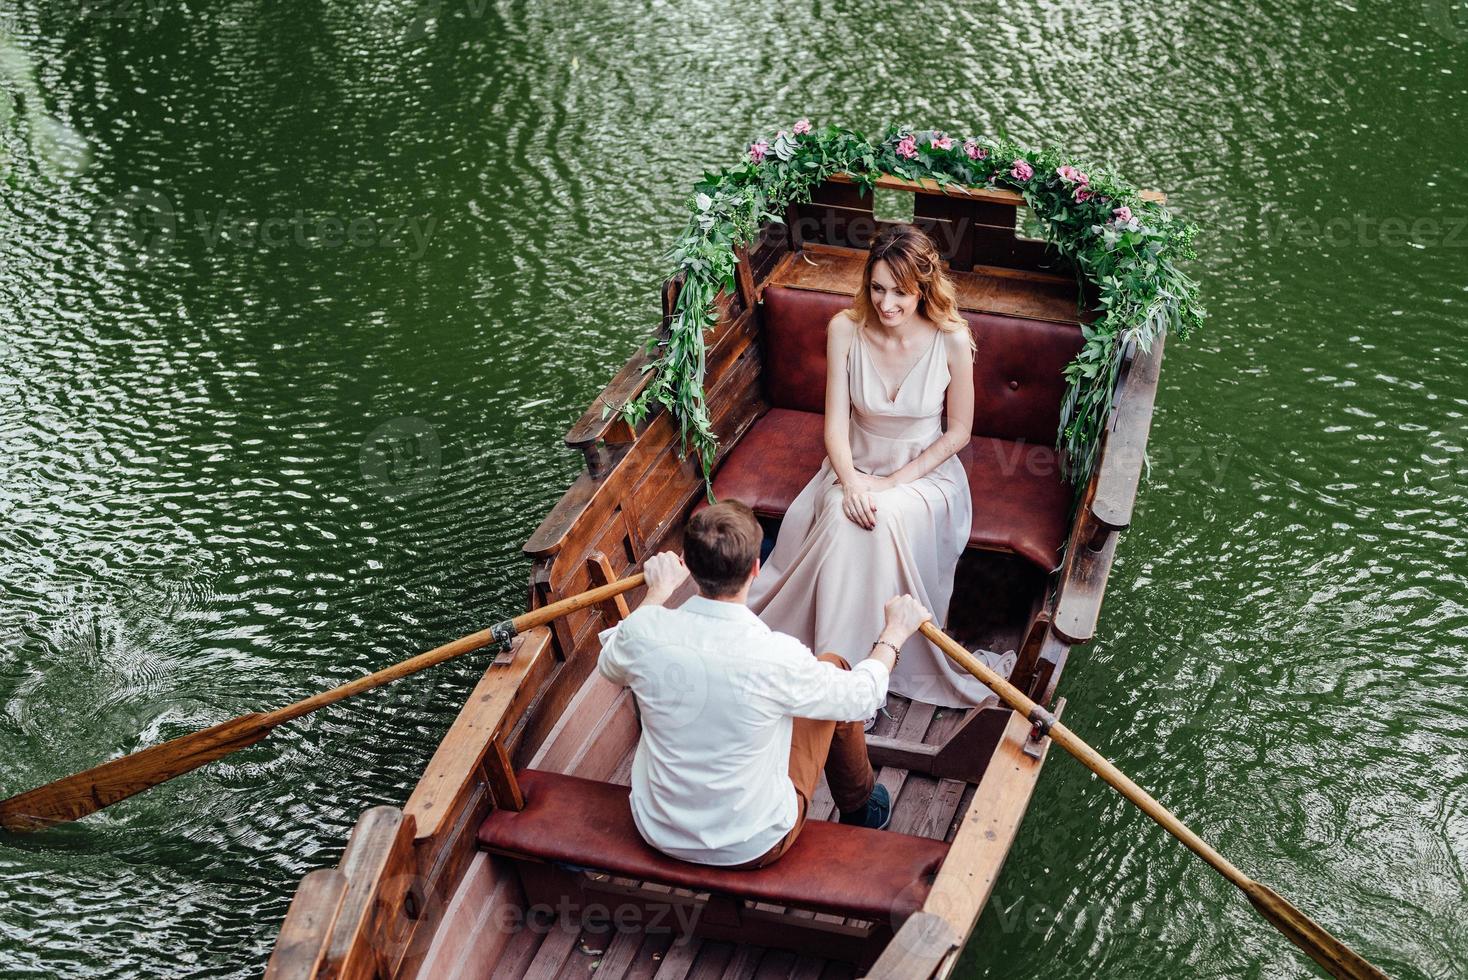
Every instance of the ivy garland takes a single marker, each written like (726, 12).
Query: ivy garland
(1127, 247)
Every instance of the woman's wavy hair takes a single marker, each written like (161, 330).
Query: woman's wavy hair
(918, 268)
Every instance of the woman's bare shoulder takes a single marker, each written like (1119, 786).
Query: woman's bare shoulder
(842, 324)
(957, 342)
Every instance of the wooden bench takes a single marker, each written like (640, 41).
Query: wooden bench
(570, 826)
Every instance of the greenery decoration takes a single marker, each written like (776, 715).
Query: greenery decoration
(1127, 247)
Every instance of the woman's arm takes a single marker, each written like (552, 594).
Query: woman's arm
(960, 413)
(856, 488)
(840, 333)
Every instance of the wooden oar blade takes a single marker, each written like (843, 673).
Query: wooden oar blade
(87, 792)
(1334, 956)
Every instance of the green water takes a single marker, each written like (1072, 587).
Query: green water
(458, 212)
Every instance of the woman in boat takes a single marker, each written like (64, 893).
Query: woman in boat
(889, 512)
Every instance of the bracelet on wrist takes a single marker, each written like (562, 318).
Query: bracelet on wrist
(896, 653)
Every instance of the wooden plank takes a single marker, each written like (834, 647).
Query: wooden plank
(575, 723)
(906, 745)
(985, 289)
(600, 571)
(911, 807)
(678, 961)
(929, 186)
(1125, 446)
(923, 942)
(301, 946)
(1029, 650)
(744, 277)
(1083, 577)
(558, 946)
(369, 932)
(622, 772)
(503, 786)
(776, 964)
(712, 958)
(514, 961)
(649, 959)
(1047, 674)
(470, 938)
(744, 962)
(967, 752)
(945, 722)
(607, 740)
(501, 695)
(989, 826)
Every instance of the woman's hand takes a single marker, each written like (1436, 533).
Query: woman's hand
(857, 500)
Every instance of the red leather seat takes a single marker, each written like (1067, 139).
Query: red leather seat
(870, 874)
(1021, 504)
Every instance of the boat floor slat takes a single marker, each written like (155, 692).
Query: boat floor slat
(517, 955)
(678, 960)
(711, 960)
(655, 949)
(776, 964)
(744, 962)
(556, 948)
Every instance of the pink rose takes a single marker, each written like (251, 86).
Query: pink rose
(1084, 194)
(907, 148)
(941, 142)
(1070, 175)
(758, 149)
(1122, 214)
(801, 127)
(1022, 170)
(974, 150)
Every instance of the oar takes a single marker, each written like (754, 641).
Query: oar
(1338, 959)
(87, 792)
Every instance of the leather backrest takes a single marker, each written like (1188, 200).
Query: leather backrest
(1018, 380)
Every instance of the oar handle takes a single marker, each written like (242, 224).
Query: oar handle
(501, 633)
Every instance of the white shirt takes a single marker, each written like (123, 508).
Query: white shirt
(717, 690)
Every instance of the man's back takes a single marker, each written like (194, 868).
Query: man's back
(717, 690)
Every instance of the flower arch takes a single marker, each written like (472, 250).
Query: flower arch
(1127, 247)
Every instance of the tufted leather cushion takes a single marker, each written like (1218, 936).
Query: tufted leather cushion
(871, 874)
(1021, 505)
(1018, 384)
(773, 462)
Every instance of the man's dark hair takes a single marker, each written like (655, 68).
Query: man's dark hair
(720, 546)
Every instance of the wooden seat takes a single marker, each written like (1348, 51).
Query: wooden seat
(873, 875)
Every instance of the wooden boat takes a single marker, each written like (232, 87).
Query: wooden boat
(515, 855)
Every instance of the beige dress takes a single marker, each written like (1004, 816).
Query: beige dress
(827, 579)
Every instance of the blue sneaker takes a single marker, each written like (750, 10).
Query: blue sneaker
(877, 813)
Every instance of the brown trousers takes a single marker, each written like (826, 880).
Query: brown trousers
(840, 747)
